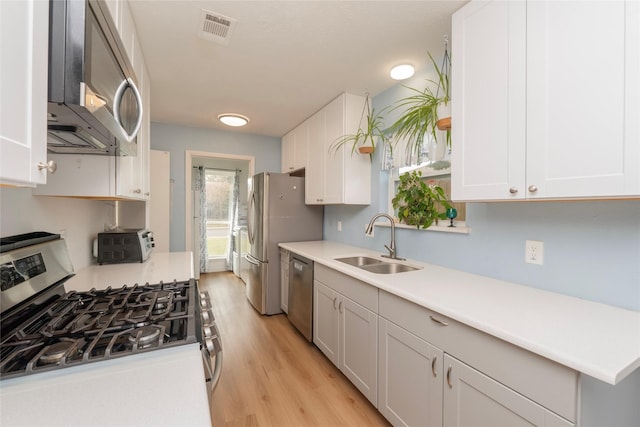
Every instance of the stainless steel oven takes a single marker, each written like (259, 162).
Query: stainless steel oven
(46, 328)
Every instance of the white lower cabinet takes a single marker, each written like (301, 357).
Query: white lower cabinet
(345, 330)
(423, 381)
(409, 378)
(420, 368)
(471, 398)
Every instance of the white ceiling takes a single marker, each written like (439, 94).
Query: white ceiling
(285, 59)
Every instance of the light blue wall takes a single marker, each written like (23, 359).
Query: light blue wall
(178, 139)
(591, 249)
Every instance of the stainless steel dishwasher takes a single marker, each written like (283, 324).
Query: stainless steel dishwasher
(301, 294)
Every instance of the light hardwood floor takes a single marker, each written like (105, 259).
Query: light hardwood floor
(271, 376)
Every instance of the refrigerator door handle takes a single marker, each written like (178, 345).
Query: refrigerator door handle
(250, 219)
(251, 259)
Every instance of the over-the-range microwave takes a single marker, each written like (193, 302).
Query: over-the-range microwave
(94, 104)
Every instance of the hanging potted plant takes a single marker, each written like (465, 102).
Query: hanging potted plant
(425, 112)
(419, 203)
(365, 139)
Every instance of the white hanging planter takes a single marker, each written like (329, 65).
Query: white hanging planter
(444, 116)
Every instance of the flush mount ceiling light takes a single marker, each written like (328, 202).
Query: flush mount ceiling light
(401, 72)
(232, 119)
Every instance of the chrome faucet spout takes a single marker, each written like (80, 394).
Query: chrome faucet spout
(392, 246)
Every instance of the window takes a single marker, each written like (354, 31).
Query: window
(219, 193)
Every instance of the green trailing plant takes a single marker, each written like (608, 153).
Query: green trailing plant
(420, 110)
(418, 203)
(369, 135)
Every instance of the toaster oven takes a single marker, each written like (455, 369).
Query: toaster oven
(124, 245)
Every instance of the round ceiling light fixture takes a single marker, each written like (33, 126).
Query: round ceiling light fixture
(401, 72)
(233, 119)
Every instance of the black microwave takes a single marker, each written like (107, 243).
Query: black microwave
(94, 105)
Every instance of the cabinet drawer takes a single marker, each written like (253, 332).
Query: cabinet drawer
(360, 292)
(548, 383)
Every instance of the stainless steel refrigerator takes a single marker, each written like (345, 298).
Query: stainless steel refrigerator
(276, 214)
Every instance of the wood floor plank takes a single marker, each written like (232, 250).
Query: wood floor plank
(272, 376)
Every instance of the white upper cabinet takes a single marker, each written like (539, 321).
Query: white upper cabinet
(337, 176)
(108, 177)
(294, 148)
(23, 91)
(546, 100)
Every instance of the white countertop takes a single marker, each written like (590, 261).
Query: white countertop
(160, 388)
(595, 339)
(162, 266)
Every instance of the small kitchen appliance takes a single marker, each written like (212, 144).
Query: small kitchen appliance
(124, 245)
(45, 328)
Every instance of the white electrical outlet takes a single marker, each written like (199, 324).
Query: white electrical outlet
(534, 252)
(339, 225)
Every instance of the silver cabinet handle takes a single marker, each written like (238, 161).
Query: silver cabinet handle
(433, 366)
(340, 307)
(334, 302)
(513, 190)
(438, 321)
(50, 166)
(532, 189)
(449, 377)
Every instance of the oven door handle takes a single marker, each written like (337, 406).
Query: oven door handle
(212, 376)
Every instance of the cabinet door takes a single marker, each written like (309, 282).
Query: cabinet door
(410, 378)
(583, 137)
(333, 164)
(23, 91)
(488, 101)
(325, 321)
(301, 145)
(474, 399)
(359, 347)
(314, 173)
(288, 147)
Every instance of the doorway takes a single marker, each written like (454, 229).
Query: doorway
(216, 221)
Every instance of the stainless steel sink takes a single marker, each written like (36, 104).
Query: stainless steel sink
(376, 266)
(358, 261)
(388, 268)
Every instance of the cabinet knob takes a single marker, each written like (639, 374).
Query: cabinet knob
(513, 190)
(147, 193)
(137, 191)
(50, 166)
(532, 189)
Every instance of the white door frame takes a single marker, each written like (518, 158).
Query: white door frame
(189, 155)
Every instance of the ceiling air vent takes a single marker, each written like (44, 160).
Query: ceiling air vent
(216, 27)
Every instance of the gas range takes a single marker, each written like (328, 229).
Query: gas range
(45, 328)
(83, 327)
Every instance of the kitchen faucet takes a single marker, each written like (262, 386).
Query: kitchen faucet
(392, 247)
